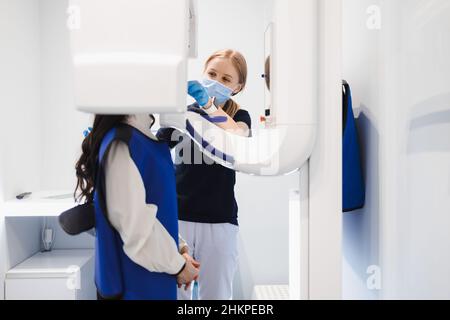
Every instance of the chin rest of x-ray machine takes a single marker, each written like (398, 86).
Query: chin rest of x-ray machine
(131, 57)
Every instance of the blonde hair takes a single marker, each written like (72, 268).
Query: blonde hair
(240, 64)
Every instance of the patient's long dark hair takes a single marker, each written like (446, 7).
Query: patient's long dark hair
(86, 165)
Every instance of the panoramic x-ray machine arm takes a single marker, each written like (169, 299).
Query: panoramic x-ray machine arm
(131, 57)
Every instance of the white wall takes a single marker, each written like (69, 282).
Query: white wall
(64, 126)
(37, 90)
(401, 83)
(19, 102)
(416, 219)
(263, 202)
(40, 132)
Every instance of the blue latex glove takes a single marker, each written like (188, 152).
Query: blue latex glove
(198, 92)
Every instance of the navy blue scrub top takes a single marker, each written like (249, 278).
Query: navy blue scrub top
(205, 191)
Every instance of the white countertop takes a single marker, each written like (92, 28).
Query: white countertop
(40, 204)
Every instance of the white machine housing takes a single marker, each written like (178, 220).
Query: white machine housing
(130, 57)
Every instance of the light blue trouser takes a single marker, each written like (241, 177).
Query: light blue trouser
(215, 247)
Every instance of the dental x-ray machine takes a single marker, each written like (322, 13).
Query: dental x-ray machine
(131, 57)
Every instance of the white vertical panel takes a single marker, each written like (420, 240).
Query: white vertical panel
(299, 239)
(361, 68)
(325, 232)
(294, 62)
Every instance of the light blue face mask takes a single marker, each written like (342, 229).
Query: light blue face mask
(217, 90)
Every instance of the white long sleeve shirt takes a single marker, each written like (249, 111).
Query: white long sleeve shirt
(146, 241)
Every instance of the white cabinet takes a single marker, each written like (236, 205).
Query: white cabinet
(55, 275)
